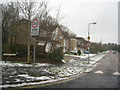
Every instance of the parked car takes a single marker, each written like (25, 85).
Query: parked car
(114, 52)
(75, 52)
(86, 52)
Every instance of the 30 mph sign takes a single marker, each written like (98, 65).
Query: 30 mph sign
(35, 27)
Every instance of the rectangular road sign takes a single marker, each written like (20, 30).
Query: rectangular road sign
(35, 27)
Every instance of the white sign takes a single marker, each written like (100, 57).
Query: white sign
(35, 27)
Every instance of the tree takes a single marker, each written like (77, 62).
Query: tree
(48, 24)
(10, 15)
(30, 10)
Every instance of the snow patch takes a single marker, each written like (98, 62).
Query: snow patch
(63, 61)
(72, 60)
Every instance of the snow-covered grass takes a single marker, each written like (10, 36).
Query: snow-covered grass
(8, 63)
(34, 78)
(81, 56)
(49, 73)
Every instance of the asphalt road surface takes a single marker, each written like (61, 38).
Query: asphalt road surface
(104, 75)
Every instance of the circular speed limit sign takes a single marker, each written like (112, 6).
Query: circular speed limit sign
(35, 23)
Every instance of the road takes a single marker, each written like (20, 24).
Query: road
(104, 75)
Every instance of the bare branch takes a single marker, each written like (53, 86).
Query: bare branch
(25, 13)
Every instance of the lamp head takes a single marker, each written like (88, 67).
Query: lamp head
(94, 23)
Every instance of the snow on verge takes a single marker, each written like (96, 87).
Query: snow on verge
(63, 72)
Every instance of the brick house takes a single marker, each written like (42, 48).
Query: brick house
(18, 34)
(73, 44)
(53, 39)
(81, 43)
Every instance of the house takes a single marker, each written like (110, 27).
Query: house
(81, 43)
(18, 33)
(51, 37)
(66, 47)
(73, 44)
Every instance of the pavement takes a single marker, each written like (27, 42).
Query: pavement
(104, 75)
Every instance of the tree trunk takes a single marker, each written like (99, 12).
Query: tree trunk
(28, 36)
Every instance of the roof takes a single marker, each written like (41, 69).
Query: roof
(39, 38)
(79, 38)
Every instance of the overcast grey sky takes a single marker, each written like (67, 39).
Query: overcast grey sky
(78, 13)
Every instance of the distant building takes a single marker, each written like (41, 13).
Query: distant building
(73, 44)
(81, 43)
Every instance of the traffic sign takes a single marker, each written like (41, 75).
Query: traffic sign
(35, 27)
(89, 44)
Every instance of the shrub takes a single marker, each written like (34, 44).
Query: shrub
(22, 50)
(79, 52)
(56, 56)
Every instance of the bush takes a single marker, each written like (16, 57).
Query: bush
(56, 56)
(22, 50)
(79, 52)
(39, 52)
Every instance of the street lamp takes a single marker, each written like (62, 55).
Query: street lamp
(89, 37)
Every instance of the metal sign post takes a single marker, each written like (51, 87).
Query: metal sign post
(34, 55)
(88, 45)
(88, 55)
(34, 32)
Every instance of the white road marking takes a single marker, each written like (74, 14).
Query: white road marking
(116, 73)
(99, 72)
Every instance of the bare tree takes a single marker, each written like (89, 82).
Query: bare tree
(48, 24)
(30, 10)
(10, 15)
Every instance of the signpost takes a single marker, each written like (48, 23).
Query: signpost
(34, 32)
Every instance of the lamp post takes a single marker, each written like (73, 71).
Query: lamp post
(89, 38)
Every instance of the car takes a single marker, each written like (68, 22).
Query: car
(114, 52)
(86, 52)
(74, 52)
